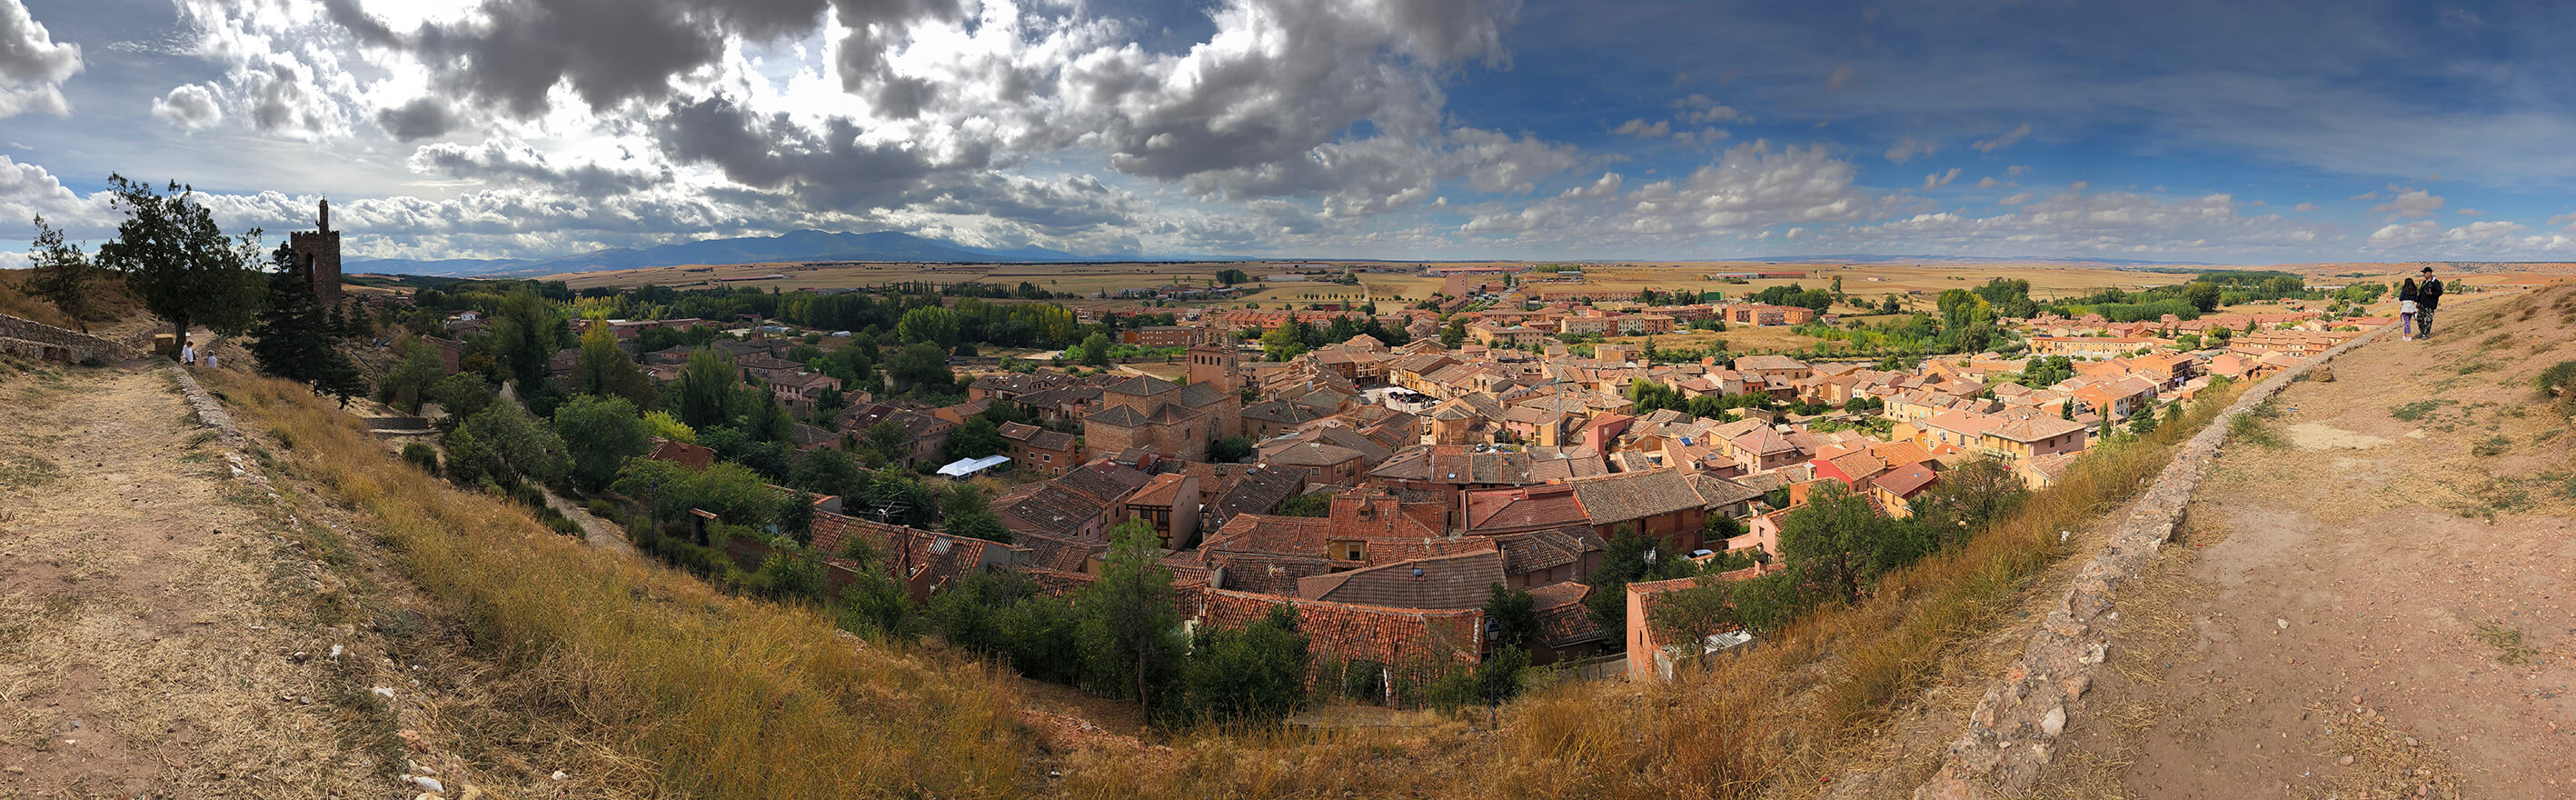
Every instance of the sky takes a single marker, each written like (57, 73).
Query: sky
(2186, 131)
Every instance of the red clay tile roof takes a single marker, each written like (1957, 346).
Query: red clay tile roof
(688, 455)
(1454, 581)
(1387, 636)
(1522, 508)
(1635, 495)
(1906, 480)
(1563, 620)
(1161, 491)
(1536, 551)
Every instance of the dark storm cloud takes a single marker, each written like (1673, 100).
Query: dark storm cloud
(607, 51)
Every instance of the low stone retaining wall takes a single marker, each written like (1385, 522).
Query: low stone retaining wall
(2014, 731)
(26, 337)
(211, 413)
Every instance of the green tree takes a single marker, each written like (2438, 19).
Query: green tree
(1231, 276)
(1095, 350)
(825, 471)
(978, 438)
(602, 432)
(504, 444)
(929, 325)
(183, 267)
(1837, 542)
(1630, 556)
(969, 513)
(662, 424)
(294, 338)
(1130, 619)
(1454, 334)
(1512, 615)
(526, 332)
(1281, 343)
(409, 382)
(2202, 295)
(705, 395)
(925, 368)
(605, 370)
(63, 274)
(1231, 449)
(1689, 616)
(888, 442)
(729, 491)
(1253, 673)
(463, 395)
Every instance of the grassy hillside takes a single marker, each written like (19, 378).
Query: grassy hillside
(724, 697)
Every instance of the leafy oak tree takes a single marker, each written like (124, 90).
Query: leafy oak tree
(179, 262)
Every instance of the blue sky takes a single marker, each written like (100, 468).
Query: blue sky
(2177, 131)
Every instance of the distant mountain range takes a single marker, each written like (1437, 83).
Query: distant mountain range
(798, 246)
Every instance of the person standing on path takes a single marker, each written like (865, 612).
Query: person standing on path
(2407, 294)
(2428, 296)
(188, 354)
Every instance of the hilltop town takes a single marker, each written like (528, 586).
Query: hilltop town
(1388, 492)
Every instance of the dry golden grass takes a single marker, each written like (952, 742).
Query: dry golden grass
(725, 697)
(16, 302)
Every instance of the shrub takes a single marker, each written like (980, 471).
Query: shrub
(421, 455)
(527, 494)
(2559, 381)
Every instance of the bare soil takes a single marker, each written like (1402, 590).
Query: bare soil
(167, 629)
(2382, 604)
(148, 643)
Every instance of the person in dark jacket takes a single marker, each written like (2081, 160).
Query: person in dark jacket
(2407, 297)
(2428, 296)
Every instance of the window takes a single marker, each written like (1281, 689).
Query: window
(1347, 551)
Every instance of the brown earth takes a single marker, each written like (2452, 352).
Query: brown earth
(167, 629)
(2380, 604)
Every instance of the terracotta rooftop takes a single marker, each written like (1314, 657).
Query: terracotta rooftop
(1352, 632)
(1453, 581)
(1635, 495)
(1523, 508)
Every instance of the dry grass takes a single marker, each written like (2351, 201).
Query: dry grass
(723, 697)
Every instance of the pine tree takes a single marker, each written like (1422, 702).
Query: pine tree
(296, 337)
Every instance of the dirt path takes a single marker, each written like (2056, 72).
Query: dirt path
(598, 532)
(147, 639)
(2381, 605)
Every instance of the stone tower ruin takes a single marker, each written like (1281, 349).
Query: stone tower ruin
(320, 252)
